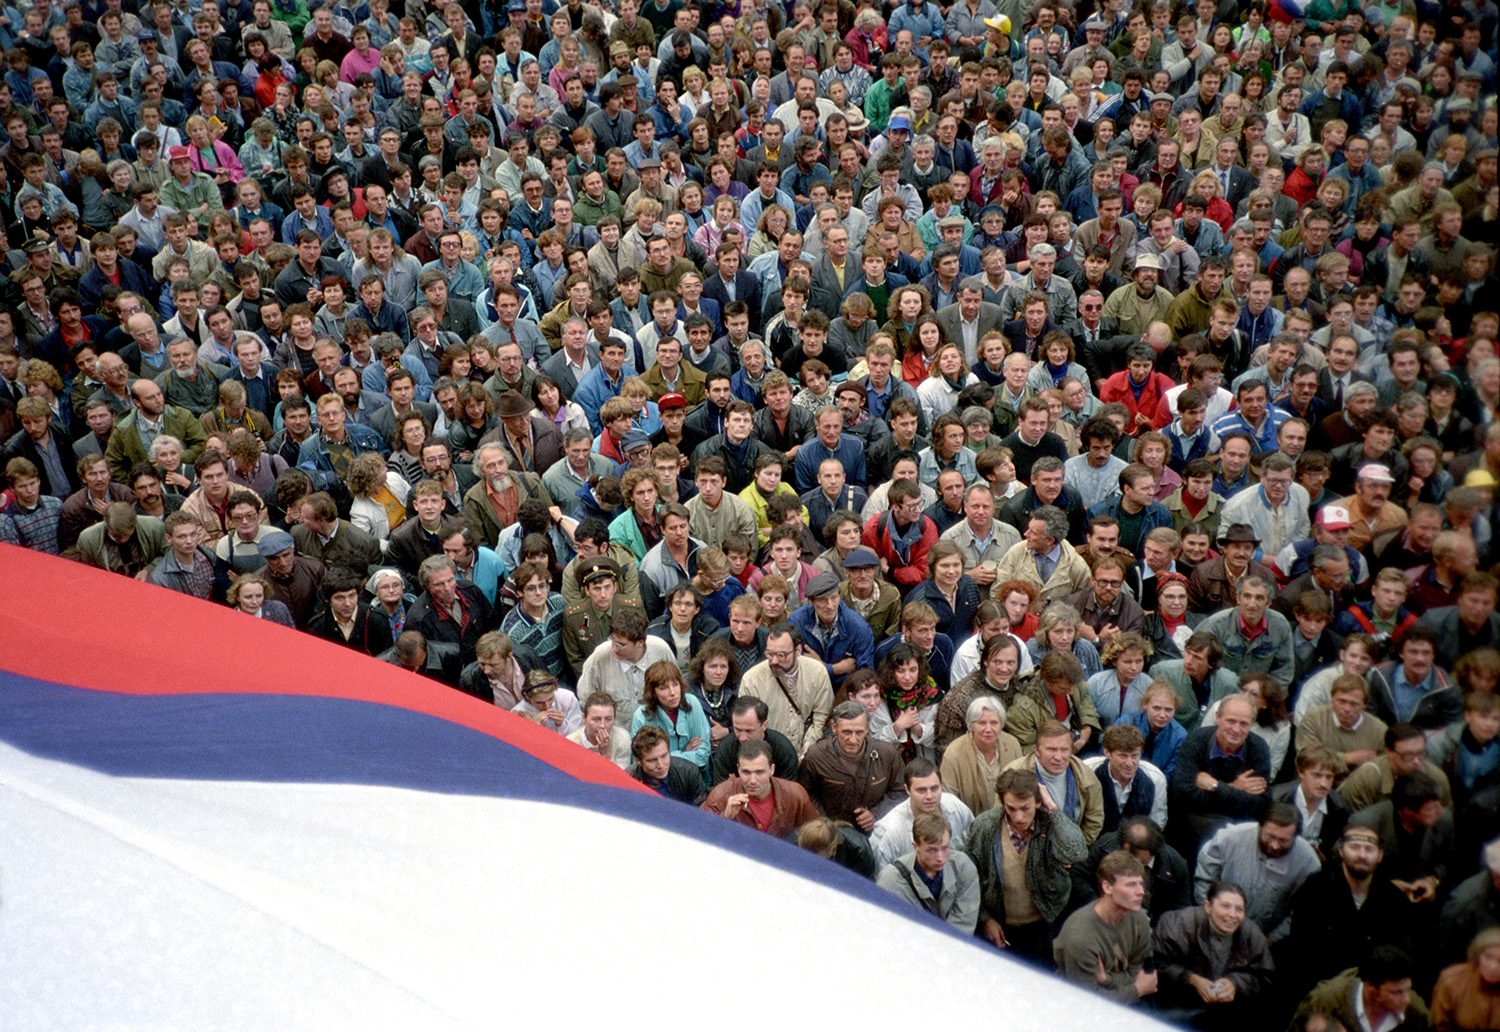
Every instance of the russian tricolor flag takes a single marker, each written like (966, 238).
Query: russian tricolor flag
(210, 822)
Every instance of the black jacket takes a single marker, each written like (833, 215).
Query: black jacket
(440, 628)
(1377, 268)
(1184, 939)
(704, 626)
(724, 763)
(410, 544)
(684, 782)
(472, 681)
(1332, 934)
(881, 456)
(370, 636)
(20, 446)
(746, 288)
(1453, 639)
(1223, 801)
(740, 474)
(1169, 885)
(1017, 511)
(1155, 630)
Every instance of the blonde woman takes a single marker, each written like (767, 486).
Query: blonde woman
(252, 594)
(1206, 185)
(695, 88)
(214, 158)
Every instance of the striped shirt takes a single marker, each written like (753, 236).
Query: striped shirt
(544, 635)
(35, 528)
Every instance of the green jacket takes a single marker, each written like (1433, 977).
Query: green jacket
(125, 448)
(588, 211)
(1335, 996)
(198, 396)
(1056, 844)
(199, 191)
(878, 104)
(294, 13)
(1222, 683)
(480, 514)
(148, 533)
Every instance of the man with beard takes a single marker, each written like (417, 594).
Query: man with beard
(491, 504)
(1137, 305)
(1266, 859)
(437, 464)
(1347, 909)
(360, 405)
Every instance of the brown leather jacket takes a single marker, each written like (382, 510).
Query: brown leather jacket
(793, 807)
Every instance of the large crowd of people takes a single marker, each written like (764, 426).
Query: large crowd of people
(1041, 456)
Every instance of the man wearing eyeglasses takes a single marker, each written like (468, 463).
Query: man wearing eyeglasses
(248, 525)
(1405, 753)
(1276, 509)
(1090, 328)
(1107, 609)
(794, 686)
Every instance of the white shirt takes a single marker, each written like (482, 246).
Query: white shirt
(1390, 1021)
(1312, 820)
(606, 672)
(966, 659)
(1099, 765)
(1276, 528)
(891, 835)
(970, 331)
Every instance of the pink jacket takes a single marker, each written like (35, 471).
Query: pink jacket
(224, 154)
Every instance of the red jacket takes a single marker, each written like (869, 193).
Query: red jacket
(1300, 187)
(877, 536)
(976, 191)
(1117, 388)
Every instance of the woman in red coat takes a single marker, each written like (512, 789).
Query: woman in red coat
(1302, 185)
(1139, 388)
(1205, 184)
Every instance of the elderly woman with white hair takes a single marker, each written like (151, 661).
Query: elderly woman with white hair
(391, 599)
(972, 762)
(170, 460)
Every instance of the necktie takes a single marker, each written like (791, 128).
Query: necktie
(1044, 567)
(1338, 393)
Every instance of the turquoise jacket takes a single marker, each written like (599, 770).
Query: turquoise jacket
(691, 723)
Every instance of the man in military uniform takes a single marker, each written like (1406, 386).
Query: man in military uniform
(586, 623)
